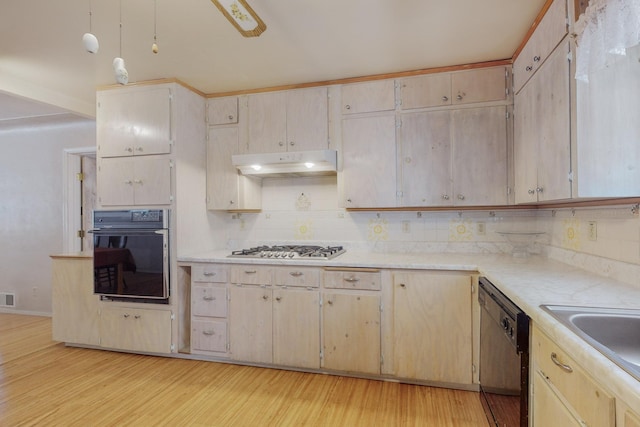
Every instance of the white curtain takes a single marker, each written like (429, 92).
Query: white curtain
(604, 33)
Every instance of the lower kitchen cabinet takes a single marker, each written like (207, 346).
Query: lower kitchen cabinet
(279, 326)
(563, 394)
(432, 327)
(75, 308)
(208, 336)
(351, 332)
(136, 329)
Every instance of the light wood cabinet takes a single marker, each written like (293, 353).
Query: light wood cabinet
(227, 189)
(275, 325)
(133, 122)
(222, 111)
(454, 157)
(369, 168)
(75, 308)
(547, 409)
(351, 332)
(356, 278)
(542, 132)
(136, 329)
(295, 120)
(209, 309)
(367, 97)
(432, 327)
(134, 181)
(251, 324)
(631, 419)
(562, 382)
(552, 29)
(455, 88)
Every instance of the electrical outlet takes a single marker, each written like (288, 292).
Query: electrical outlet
(481, 229)
(406, 227)
(593, 230)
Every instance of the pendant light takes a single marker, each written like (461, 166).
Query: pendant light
(121, 74)
(154, 46)
(90, 41)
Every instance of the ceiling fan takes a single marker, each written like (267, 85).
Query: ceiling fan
(240, 14)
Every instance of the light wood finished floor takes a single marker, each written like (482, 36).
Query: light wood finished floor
(44, 383)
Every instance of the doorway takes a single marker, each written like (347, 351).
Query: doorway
(79, 195)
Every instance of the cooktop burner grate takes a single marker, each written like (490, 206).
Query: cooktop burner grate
(289, 251)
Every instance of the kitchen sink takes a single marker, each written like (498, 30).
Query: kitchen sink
(613, 332)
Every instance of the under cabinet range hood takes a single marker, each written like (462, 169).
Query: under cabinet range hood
(302, 163)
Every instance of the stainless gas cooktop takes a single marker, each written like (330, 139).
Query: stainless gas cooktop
(290, 252)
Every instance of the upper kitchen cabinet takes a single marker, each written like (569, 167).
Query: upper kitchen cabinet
(453, 157)
(551, 30)
(461, 87)
(222, 111)
(226, 188)
(295, 120)
(542, 132)
(133, 122)
(479, 85)
(369, 166)
(134, 181)
(378, 95)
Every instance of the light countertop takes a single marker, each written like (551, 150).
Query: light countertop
(528, 282)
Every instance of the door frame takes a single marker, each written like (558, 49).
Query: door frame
(71, 196)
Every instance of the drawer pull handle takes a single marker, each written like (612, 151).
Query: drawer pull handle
(250, 272)
(554, 359)
(207, 298)
(208, 333)
(209, 274)
(137, 316)
(351, 279)
(296, 273)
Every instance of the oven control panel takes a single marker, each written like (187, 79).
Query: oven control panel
(145, 216)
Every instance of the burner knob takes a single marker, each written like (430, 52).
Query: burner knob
(291, 254)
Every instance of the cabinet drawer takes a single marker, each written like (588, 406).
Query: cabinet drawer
(299, 277)
(250, 275)
(548, 34)
(352, 279)
(209, 273)
(209, 301)
(594, 406)
(368, 97)
(479, 85)
(208, 335)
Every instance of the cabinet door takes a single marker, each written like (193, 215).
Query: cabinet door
(307, 119)
(136, 122)
(525, 144)
(222, 111)
(429, 90)
(432, 327)
(136, 329)
(548, 410)
(152, 180)
(250, 324)
(115, 181)
(480, 85)
(74, 305)
(222, 176)
(480, 156)
(296, 328)
(631, 419)
(425, 150)
(369, 161)
(368, 97)
(553, 126)
(267, 122)
(351, 332)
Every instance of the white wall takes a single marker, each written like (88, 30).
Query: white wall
(31, 222)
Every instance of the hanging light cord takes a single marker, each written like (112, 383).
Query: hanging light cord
(155, 20)
(120, 28)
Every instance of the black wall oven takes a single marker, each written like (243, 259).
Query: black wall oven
(131, 255)
(504, 358)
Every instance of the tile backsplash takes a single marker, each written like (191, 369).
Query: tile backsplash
(306, 210)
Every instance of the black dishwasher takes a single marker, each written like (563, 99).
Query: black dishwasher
(504, 358)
